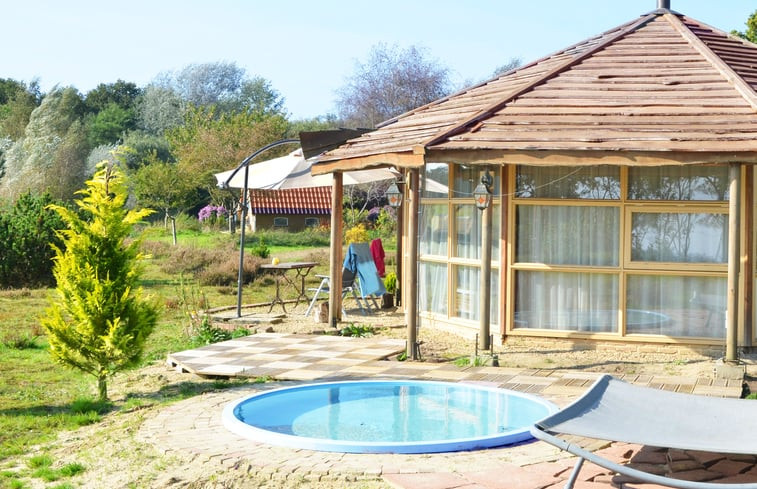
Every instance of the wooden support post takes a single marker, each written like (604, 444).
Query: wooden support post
(484, 333)
(411, 270)
(734, 263)
(335, 252)
(400, 237)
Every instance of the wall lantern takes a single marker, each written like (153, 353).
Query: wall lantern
(393, 195)
(483, 191)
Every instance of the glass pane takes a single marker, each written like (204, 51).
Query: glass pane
(496, 210)
(467, 232)
(467, 287)
(585, 182)
(432, 287)
(567, 235)
(468, 177)
(494, 308)
(467, 296)
(679, 237)
(676, 306)
(434, 227)
(585, 302)
(678, 183)
(435, 180)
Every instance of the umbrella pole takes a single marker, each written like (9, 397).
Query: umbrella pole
(240, 276)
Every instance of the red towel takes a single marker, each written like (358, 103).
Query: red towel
(377, 250)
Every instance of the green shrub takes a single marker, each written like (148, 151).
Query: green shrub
(26, 231)
(261, 249)
(310, 237)
(208, 334)
(358, 331)
(390, 282)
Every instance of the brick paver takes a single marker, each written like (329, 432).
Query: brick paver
(194, 427)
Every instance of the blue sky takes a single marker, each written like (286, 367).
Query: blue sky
(305, 48)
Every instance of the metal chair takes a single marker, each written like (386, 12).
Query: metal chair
(348, 287)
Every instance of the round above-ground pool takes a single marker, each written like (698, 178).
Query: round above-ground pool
(387, 416)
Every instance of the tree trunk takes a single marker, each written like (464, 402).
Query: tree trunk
(173, 230)
(102, 387)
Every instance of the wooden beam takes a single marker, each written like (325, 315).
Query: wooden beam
(402, 160)
(588, 158)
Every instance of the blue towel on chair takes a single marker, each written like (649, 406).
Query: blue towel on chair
(360, 260)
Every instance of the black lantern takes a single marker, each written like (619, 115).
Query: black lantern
(483, 191)
(393, 195)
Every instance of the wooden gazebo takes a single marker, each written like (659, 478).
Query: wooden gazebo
(663, 91)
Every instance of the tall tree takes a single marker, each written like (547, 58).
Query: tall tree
(161, 185)
(17, 101)
(208, 143)
(205, 84)
(159, 109)
(110, 125)
(392, 81)
(51, 156)
(751, 29)
(98, 321)
(511, 64)
(224, 86)
(121, 93)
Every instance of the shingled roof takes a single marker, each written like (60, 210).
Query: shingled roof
(661, 89)
(311, 200)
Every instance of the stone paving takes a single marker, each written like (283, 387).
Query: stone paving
(194, 427)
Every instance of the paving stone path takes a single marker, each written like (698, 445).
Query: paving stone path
(194, 427)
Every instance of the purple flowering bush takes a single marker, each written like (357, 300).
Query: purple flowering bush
(212, 215)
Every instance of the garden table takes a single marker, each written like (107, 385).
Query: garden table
(281, 272)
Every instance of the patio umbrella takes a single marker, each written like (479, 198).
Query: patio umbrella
(293, 171)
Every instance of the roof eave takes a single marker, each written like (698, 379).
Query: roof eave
(588, 157)
(405, 159)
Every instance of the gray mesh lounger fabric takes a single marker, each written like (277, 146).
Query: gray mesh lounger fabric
(617, 411)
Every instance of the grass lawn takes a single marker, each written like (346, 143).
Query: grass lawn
(39, 398)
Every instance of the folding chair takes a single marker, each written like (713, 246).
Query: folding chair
(360, 261)
(348, 287)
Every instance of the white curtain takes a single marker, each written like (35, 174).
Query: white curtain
(568, 235)
(567, 301)
(432, 288)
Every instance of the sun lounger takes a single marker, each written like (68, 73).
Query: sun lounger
(618, 411)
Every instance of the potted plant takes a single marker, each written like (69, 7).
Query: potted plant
(390, 283)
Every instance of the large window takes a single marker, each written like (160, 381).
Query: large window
(703, 183)
(676, 305)
(679, 237)
(451, 240)
(631, 251)
(584, 182)
(568, 235)
(586, 302)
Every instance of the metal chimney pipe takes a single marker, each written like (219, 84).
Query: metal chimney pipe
(663, 4)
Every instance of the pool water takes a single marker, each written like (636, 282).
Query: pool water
(387, 416)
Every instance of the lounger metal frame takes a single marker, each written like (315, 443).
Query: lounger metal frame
(548, 430)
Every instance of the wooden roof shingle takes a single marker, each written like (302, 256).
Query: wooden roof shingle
(663, 88)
